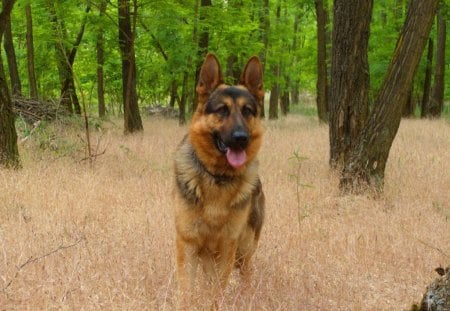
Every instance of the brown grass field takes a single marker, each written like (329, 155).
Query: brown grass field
(79, 238)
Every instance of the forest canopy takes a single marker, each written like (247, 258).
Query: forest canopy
(166, 44)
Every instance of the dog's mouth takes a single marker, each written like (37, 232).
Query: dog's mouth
(235, 157)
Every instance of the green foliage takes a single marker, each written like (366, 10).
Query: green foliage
(166, 44)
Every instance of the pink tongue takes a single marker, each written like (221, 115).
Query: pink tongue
(236, 158)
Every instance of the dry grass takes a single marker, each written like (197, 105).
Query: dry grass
(72, 237)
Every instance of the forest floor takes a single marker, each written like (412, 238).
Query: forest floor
(102, 237)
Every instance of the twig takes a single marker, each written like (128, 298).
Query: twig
(34, 259)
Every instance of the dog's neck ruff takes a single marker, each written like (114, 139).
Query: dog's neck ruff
(218, 179)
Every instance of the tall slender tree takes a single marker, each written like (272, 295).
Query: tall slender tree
(437, 98)
(100, 62)
(427, 82)
(9, 152)
(66, 57)
(203, 41)
(322, 74)
(127, 32)
(16, 86)
(30, 53)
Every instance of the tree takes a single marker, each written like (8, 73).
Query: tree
(16, 86)
(427, 82)
(322, 81)
(366, 161)
(437, 98)
(30, 53)
(275, 68)
(9, 153)
(66, 57)
(100, 63)
(132, 117)
(350, 76)
(202, 41)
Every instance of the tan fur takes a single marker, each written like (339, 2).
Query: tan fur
(219, 209)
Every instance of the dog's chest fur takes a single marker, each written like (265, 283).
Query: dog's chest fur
(211, 207)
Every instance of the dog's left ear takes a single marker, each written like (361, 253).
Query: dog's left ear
(252, 77)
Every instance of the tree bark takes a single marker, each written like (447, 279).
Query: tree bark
(264, 26)
(9, 152)
(100, 63)
(202, 45)
(437, 98)
(350, 76)
(30, 53)
(132, 117)
(322, 83)
(273, 101)
(368, 156)
(427, 82)
(66, 58)
(16, 87)
(295, 96)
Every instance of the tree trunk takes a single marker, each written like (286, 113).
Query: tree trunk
(100, 63)
(350, 76)
(295, 96)
(30, 54)
(410, 105)
(264, 26)
(16, 87)
(9, 153)
(427, 83)
(322, 83)
(285, 103)
(367, 161)
(437, 98)
(184, 97)
(173, 93)
(132, 117)
(66, 58)
(273, 101)
(202, 47)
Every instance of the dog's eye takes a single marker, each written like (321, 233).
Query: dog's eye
(247, 111)
(222, 110)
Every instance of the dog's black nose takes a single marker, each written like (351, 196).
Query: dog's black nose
(240, 138)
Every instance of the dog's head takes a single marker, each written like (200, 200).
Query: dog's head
(226, 129)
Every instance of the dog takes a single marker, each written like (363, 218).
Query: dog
(219, 201)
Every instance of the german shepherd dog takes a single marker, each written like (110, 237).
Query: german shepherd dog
(219, 207)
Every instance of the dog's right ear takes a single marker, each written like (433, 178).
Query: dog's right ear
(210, 76)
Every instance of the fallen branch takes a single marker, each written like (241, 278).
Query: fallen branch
(35, 259)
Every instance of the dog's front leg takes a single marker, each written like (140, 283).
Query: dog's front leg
(187, 263)
(227, 260)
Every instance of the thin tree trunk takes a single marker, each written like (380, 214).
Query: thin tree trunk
(173, 93)
(66, 58)
(285, 103)
(184, 97)
(350, 76)
(30, 53)
(295, 96)
(410, 105)
(367, 161)
(322, 84)
(100, 63)
(132, 117)
(437, 98)
(202, 47)
(9, 152)
(427, 83)
(16, 86)
(264, 26)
